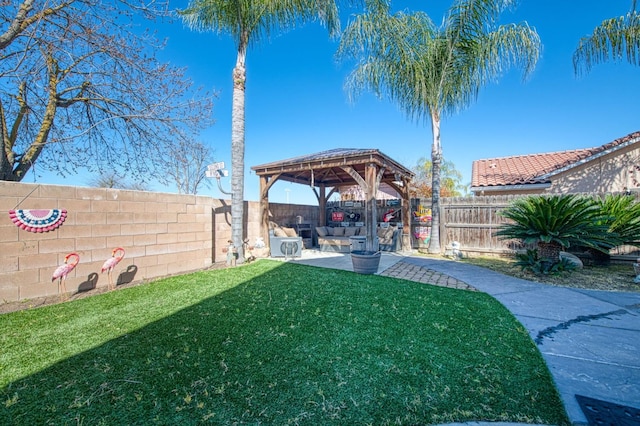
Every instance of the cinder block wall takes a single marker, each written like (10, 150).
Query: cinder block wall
(162, 234)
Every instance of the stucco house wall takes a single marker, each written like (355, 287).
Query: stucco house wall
(612, 172)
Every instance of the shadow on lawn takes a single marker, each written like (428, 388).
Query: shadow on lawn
(299, 344)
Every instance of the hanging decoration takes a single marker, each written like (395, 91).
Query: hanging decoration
(422, 214)
(422, 233)
(389, 215)
(38, 220)
(337, 216)
(353, 216)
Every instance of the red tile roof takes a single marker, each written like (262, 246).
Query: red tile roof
(535, 168)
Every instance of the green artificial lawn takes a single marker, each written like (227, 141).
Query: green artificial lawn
(273, 343)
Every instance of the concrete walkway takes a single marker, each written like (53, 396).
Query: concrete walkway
(589, 339)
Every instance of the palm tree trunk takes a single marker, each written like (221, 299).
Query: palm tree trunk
(237, 152)
(436, 162)
(549, 251)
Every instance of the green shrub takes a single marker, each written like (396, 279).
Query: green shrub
(542, 266)
(622, 216)
(557, 222)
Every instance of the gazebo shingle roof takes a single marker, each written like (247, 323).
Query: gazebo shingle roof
(319, 156)
(326, 167)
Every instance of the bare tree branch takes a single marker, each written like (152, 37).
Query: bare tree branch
(80, 86)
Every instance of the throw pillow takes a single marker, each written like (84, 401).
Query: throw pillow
(350, 231)
(290, 232)
(322, 231)
(338, 231)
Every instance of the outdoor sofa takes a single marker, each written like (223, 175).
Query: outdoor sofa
(336, 238)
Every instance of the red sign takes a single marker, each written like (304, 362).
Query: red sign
(337, 216)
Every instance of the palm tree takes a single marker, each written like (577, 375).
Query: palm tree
(249, 22)
(616, 38)
(431, 72)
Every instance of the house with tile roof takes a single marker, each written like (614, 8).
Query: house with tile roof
(612, 167)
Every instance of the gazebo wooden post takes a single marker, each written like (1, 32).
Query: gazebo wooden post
(322, 205)
(371, 209)
(264, 209)
(406, 215)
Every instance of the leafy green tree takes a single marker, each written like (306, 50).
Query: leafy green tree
(435, 71)
(615, 38)
(249, 22)
(556, 222)
(450, 178)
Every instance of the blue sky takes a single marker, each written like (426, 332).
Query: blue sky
(296, 103)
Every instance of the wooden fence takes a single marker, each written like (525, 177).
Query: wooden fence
(473, 221)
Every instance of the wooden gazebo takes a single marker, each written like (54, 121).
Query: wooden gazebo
(330, 170)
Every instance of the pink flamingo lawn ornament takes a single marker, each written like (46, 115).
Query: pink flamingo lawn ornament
(63, 270)
(109, 264)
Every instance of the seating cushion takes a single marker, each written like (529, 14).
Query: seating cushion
(350, 231)
(290, 232)
(385, 233)
(321, 231)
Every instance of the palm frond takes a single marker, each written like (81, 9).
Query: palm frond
(389, 49)
(622, 216)
(257, 20)
(616, 39)
(510, 45)
(468, 20)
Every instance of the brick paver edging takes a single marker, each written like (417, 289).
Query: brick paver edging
(408, 271)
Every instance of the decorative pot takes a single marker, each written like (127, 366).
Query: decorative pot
(365, 262)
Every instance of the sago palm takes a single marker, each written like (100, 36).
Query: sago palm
(435, 71)
(557, 222)
(249, 22)
(623, 216)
